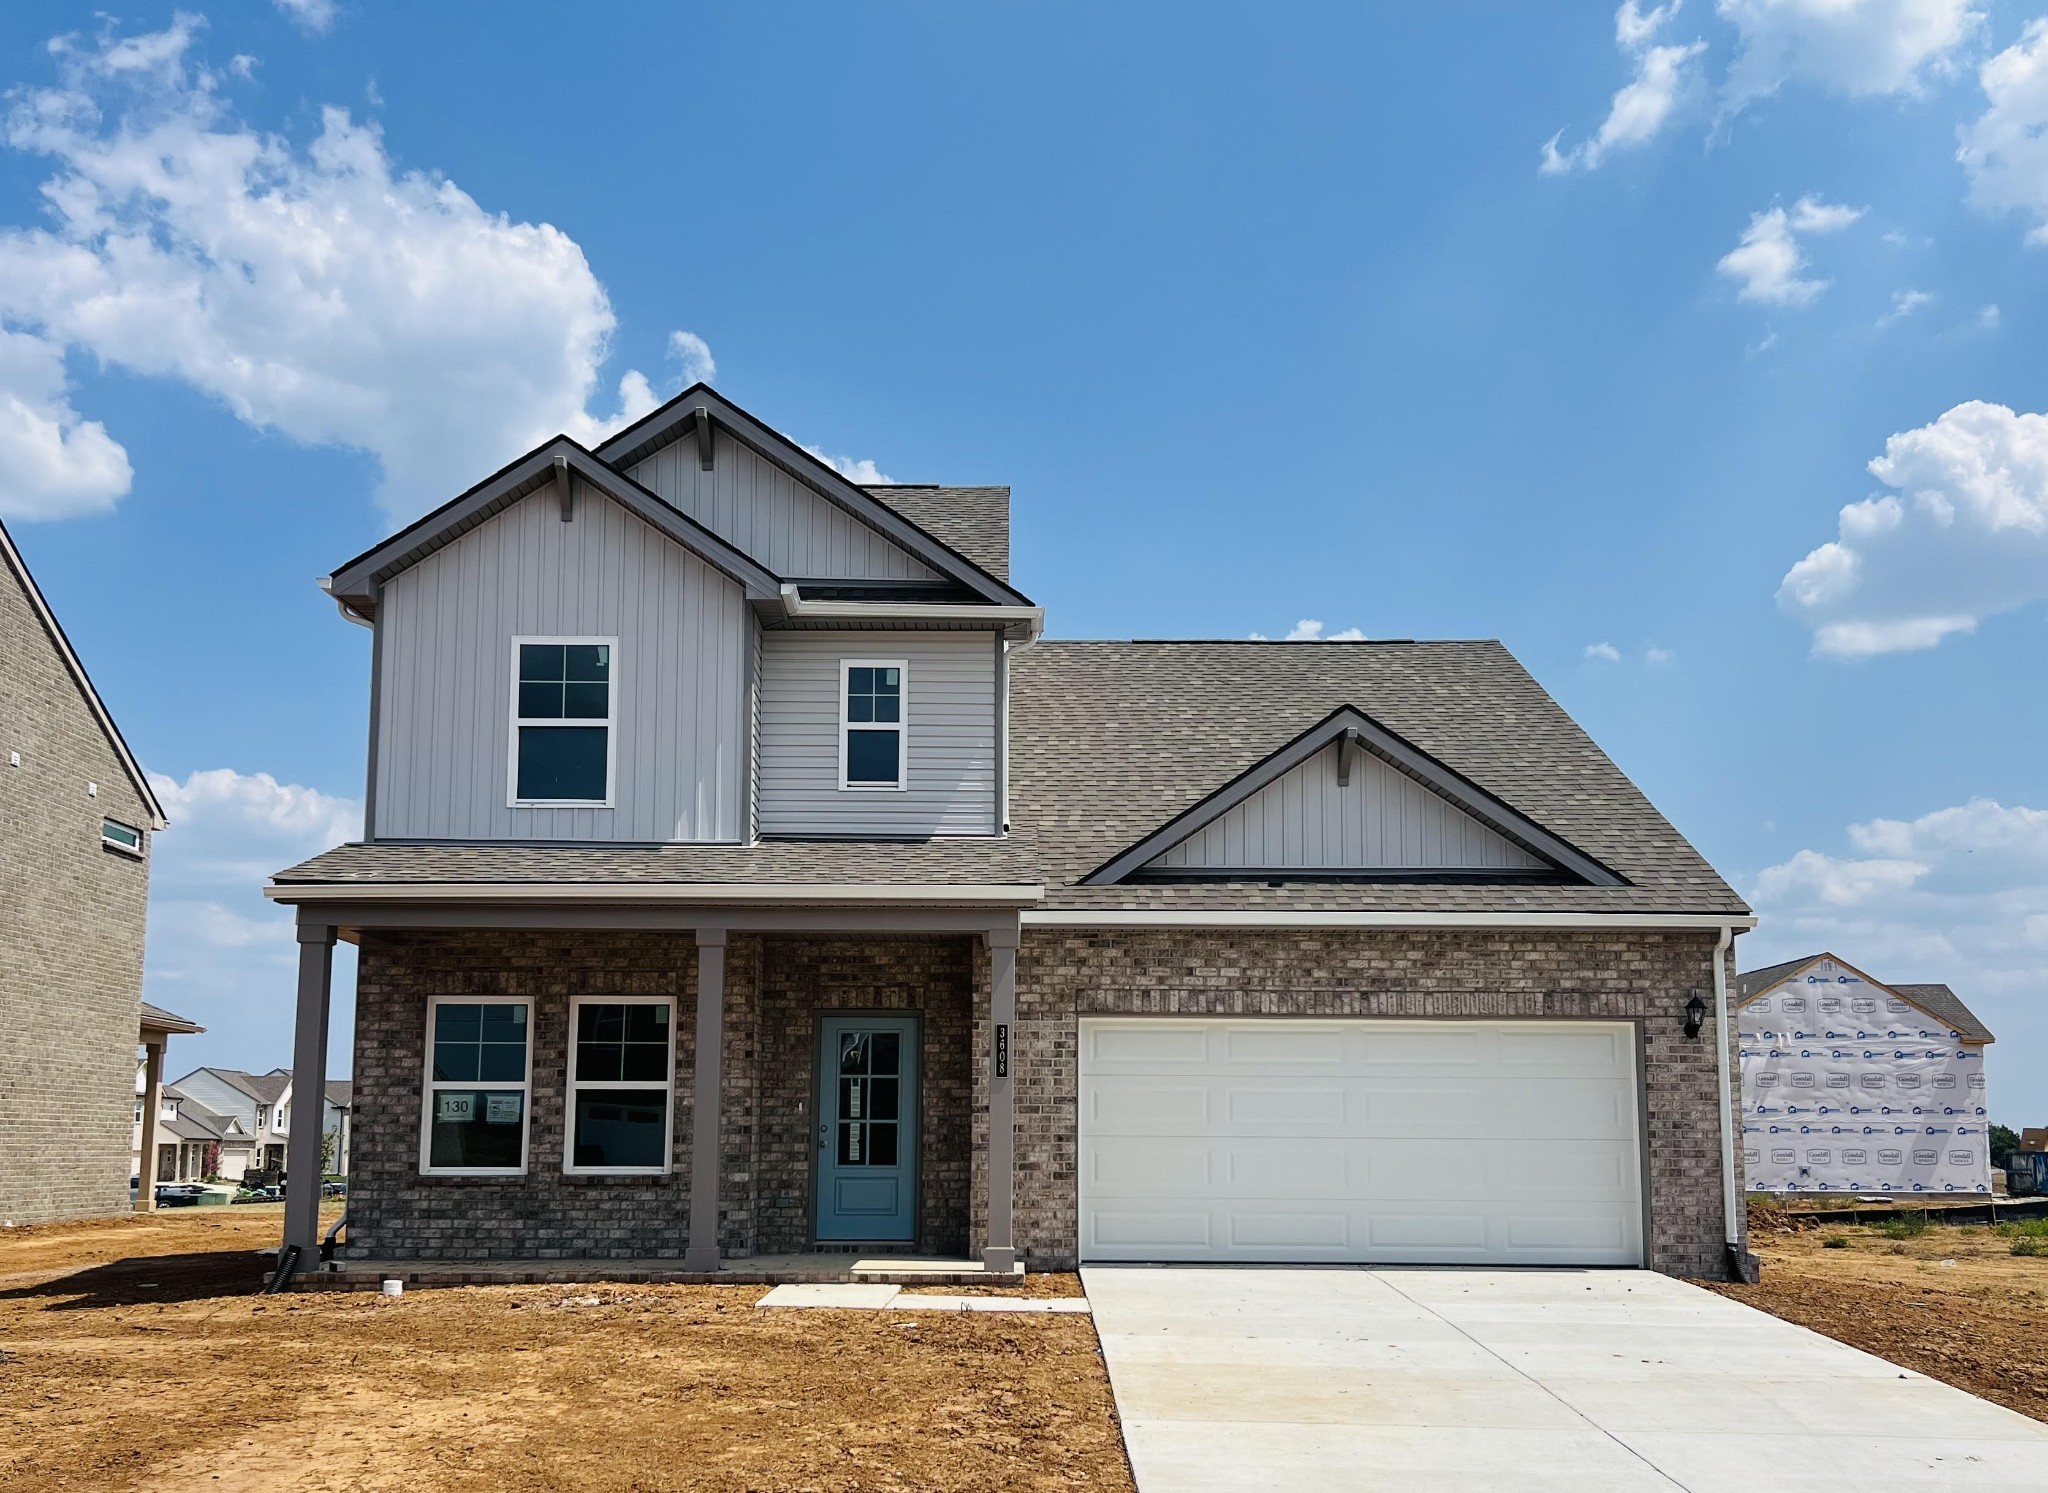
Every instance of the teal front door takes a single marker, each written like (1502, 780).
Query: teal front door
(867, 1128)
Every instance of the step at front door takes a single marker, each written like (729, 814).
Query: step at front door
(867, 1128)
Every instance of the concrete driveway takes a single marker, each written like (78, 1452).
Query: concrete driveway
(1526, 1380)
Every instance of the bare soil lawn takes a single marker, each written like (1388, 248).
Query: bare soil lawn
(138, 1353)
(1954, 1303)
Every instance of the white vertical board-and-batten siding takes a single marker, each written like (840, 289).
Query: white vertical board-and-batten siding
(949, 711)
(1382, 820)
(757, 507)
(444, 702)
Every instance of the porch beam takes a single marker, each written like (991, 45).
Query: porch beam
(352, 916)
(309, 1083)
(152, 1104)
(999, 1250)
(701, 1252)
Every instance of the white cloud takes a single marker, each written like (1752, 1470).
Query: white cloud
(1852, 47)
(1656, 658)
(2005, 152)
(1606, 652)
(55, 464)
(693, 354)
(1904, 304)
(1309, 630)
(1988, 318)
(320, 291)
(218, 952)
(859, 470)
(1769, 259)
(316, 16)
(1958, 895)
(1642, 107)
(1963, 536)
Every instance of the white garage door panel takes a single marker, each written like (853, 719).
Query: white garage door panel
(1434, 1142)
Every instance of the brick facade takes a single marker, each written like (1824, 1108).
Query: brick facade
(1643, 977)
(777, 987)
(71, 928)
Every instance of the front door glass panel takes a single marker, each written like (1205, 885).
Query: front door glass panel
(867, 1128)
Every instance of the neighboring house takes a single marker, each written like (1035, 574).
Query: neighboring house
(157, 1028)
(192, 1143)
(76, 815)
(1849, 1085)
(260, 1101)
(743, 874)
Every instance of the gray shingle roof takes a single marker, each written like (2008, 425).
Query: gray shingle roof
(1110, 740)
(1938, 1001)
(340, 1092)
(1944, 1004)
(158, 1019)
(973, 520)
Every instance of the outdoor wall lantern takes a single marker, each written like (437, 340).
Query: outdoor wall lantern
(1695, 1016)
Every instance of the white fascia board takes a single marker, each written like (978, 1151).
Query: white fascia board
(1027, 622)
(1282, 918)
(817, 893)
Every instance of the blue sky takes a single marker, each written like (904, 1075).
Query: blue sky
(1579, 329)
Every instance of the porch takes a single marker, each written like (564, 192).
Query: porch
(764, 1009)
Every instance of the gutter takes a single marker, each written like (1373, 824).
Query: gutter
(1742, 1265)
(1027, 622)
(746, 893)
(1283, 918)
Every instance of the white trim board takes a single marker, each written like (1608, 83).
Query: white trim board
(1282, 918)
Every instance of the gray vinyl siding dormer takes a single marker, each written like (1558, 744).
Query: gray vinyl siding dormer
(757, 507)
(444, 695)
(1380, 820)
(950, 735)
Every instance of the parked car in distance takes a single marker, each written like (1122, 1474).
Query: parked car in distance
(178, 1194)
(333, 1189)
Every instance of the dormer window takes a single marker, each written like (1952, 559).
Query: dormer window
(562, 701)
(871, 723)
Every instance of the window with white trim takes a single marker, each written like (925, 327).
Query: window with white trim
(479, 1087)
(125, 838)
(621, 1099)
(871, 726)
(563, 698)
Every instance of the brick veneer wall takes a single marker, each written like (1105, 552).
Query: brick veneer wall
(1645, 977)
(71, 930)
(773, 989)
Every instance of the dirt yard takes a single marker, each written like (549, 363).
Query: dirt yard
(139, 1354)
(1953, 1302)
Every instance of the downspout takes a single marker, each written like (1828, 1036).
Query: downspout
(1742, 1265)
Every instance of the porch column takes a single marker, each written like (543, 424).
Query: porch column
(701, 1253)
(999, 1250)
(152, 1102)
(309, 1082)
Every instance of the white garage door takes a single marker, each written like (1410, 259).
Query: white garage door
(1432, 1142)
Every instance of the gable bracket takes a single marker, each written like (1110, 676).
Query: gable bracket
(563, 490)
(1347, 748)
(704, 439)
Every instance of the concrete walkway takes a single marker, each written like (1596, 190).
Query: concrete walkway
(1529, 1380)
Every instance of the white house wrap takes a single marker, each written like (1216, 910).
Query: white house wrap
(1847, 1086)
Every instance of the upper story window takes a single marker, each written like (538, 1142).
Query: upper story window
(125, 838)
(479, 1071)
(562, 717)
(262, 1116)
(871, 723)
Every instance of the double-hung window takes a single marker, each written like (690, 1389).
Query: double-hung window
(621, 1058)
(871, 727)
(479, 1087)
(564, 691)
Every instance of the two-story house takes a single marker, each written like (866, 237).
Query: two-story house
(76, 816)
(745, 874)
(258, 1100)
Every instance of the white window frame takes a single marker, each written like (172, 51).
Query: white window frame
(122, 847)
(429, 1085)
(901, 725)
(643, 1085)
(610, 724)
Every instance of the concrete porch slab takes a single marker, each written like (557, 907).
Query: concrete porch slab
(843, 1294)
(739, 1270)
